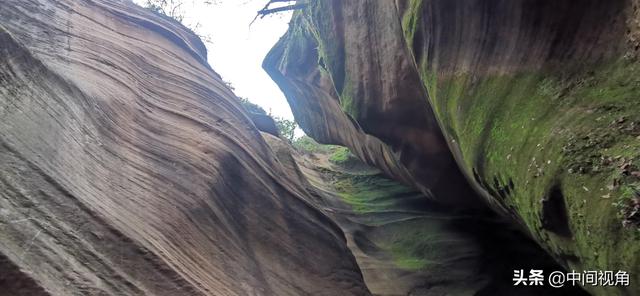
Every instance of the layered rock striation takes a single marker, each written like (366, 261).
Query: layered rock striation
(406, 244)
(528, 107)
(127, 167)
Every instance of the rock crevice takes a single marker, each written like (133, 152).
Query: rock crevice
(498, 104)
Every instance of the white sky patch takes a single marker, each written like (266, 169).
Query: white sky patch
(236, 51)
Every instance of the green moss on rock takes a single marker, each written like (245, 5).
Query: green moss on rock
(370, 193)
(523, 134)
(411, 19)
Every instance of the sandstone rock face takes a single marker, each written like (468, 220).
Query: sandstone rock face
(127, 167)
(408, 245)
(368, 97)
(529, 106)
(264, 123)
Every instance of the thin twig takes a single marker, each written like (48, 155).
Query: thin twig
(265, 10)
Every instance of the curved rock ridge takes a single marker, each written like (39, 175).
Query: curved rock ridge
(127, 167)
(384, 123)
(408, 245)
(532, 104)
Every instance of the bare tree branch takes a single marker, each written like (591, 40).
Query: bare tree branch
(266, 10)
(275, 1)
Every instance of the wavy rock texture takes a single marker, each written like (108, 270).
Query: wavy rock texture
(533, 104)
(407, 245)
(128, 168)
(386, 125)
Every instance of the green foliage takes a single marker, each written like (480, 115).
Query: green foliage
(251, 107)
(286, 128)
(175, 9)
(170, 8)
(340, 155)
(306, 144)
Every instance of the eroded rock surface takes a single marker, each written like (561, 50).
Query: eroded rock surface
(408, 245)
(529, 106)
(127, 167)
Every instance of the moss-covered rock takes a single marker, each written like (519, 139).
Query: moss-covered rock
(553, 137)
(537, 102)
(406, 245)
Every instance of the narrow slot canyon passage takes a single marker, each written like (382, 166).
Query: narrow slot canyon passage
(319, 147)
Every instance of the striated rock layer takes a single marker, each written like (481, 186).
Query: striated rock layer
(408, 245)
(530, 107)
(127, 167)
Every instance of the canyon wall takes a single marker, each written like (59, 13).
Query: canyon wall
(529, 108)
(127, 167)
(406, 244)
